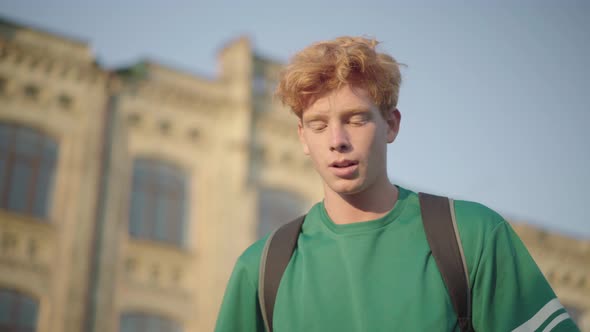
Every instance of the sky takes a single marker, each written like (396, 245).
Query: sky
(495, 98)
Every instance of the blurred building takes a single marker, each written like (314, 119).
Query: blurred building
(126, 196)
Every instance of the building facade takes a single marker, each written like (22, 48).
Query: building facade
(127, 195)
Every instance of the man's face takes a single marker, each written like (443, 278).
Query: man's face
(346, 137)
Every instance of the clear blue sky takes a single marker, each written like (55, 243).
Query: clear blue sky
(495, 101)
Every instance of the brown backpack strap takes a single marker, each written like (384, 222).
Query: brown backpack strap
(276, 255)
(440, 226)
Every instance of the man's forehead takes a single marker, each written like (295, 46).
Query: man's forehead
(344, 98)
(347, 109)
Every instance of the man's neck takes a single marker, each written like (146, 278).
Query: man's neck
(370, 204)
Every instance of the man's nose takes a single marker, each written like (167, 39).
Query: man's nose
(339, 140)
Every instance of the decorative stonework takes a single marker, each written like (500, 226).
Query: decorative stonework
(176, 97)
(167, 127)
(155, 265)
(153, 278)
(43, 97)
(191, 96)
(48, 65)
(27, 245)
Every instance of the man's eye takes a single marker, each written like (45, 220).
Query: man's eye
(358, 120)
(317, 125)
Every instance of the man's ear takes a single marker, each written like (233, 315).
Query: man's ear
(393, 120)
(301, 137)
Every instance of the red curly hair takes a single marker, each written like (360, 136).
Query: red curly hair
(328, 65)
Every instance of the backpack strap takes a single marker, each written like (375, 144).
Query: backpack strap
(276, 255)
(440, 226)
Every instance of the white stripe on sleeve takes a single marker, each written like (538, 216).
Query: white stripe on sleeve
(556, 321)
(540, 317)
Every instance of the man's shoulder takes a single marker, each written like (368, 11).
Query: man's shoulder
(476, 216)
(250, 258)
(477, 225)
(473, 218)
(254, 251)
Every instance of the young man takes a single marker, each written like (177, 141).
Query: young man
(362, 261)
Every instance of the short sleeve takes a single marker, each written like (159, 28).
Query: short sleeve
(510, 293)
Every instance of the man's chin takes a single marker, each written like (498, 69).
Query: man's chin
(346, 188)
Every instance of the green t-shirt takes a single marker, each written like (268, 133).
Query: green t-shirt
(380, 275)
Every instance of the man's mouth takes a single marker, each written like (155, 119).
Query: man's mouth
(344, 163)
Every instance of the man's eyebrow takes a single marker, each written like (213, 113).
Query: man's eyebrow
(357, 110)
(364, 111)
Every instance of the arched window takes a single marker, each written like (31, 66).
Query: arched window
(158, 202)
(276, 207)
(18, 312)
(27, 167)
(142, 322)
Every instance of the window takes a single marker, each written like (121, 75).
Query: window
(158, 202)
(141, 322)
(277, 207)
(27, 167)
(18, 312)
